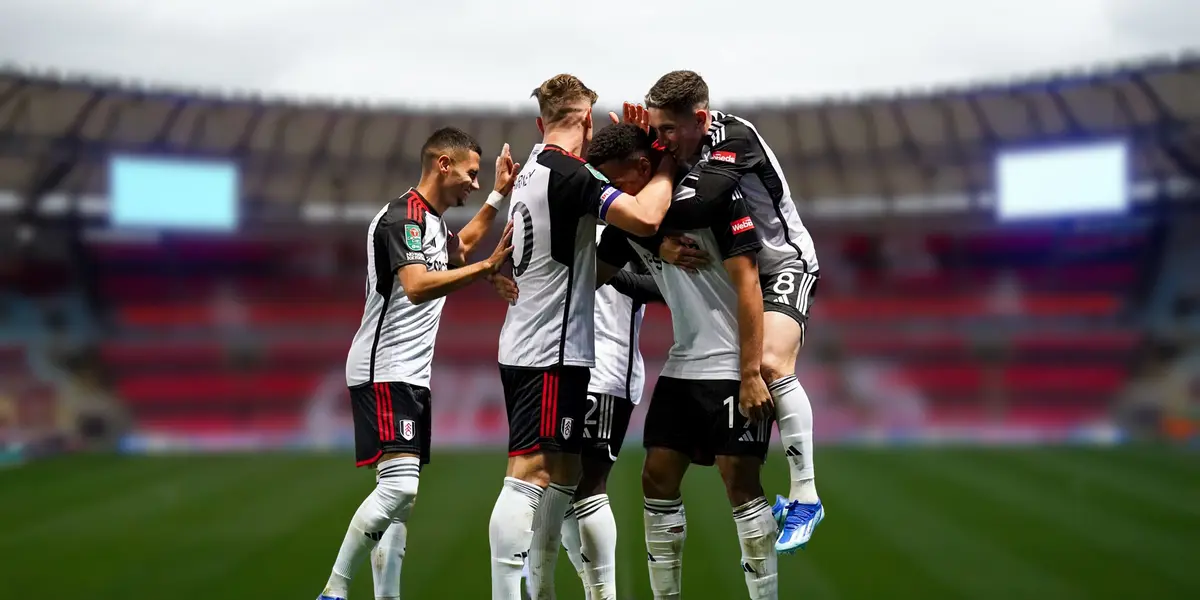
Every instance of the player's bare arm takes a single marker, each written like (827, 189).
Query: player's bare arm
(754, 399)
(641, 214)
(477, 228)
(422, 285)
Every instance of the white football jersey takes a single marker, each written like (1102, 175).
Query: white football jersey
(703, 304)
(554, 209)
(619, 369)
(395, 340)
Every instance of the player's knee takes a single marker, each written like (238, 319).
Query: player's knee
(530, 468)
(742, 478)
(658, 484)
(563, 468)
(773, 368)
(594, 479)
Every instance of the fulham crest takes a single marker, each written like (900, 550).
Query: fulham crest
(408, 429)
(566, 427)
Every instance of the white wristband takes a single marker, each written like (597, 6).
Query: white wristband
(495, 199)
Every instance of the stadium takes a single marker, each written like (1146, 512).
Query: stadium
(1006, 385)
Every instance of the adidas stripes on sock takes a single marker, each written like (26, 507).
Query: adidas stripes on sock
(795, 418)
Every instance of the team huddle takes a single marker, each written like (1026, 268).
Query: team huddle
(672, 203)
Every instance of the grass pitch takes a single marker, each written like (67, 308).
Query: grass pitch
(901, 523)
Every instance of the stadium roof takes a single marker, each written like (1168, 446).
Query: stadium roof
(56, 134)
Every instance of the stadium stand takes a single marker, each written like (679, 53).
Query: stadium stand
(1017, 325)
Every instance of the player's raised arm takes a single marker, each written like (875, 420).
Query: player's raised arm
(422, 285)
(477, 228)
(642, 214)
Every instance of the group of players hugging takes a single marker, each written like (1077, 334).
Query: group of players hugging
(674, 203)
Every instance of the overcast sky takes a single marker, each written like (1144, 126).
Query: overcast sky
(478, 52)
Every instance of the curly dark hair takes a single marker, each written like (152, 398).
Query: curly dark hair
(619, 143)
(678, 92)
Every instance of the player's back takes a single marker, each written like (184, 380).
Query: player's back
(395, 339)
(553, 210)
(736, 144)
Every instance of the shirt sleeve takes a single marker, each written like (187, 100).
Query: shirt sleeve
(595, 191)
(735, 231)
(640, 288)
(731, 158)
(405, 241)
(614, 248)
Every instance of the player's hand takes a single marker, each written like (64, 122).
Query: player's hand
(503, 250)
(506, 171)
(683, 252)
(754, 399)
(634, 113)
(505, 287)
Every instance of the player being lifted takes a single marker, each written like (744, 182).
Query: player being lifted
(547, 341)
(388, 367)
(733, 158)
(710, 404)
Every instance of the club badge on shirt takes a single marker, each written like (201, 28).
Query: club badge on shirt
(412, 237)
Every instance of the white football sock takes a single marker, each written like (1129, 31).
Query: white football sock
(757, 531)
(571, 542)
(395, 490)
(795, 418)
(547, 535)
(598, 529)
(666, 530)
(509, 532)
(386, 560)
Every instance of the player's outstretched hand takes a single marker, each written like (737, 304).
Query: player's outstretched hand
(506, 171)
(505, 287)
(682, 251)
(503, 250)
(634, 113)
(754, 400)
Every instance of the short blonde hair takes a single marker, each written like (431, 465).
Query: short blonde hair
(559, 96)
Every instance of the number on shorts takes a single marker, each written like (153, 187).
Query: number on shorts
(729, 403)
(587, 419)
(784, 285)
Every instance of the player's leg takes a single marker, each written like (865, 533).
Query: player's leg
(605, 426)
(413, 425)
(787, 297)
(756, 526)
(665, 520)
(388, 435)
(387, 559)
(741, 448)
(510, 530)
(670, 441)
(561, 442)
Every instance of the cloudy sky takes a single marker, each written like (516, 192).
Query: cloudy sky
(479, 52)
